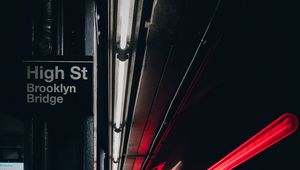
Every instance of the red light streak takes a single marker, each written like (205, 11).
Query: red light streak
(279, 129)
(160, 166)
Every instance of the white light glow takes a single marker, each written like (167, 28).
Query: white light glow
(115, 166)
(121, 82)
(124, 19)
(178, 166)
(116, 146)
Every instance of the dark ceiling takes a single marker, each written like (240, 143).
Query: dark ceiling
(245, 75)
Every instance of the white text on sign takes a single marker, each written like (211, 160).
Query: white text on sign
(49, 75)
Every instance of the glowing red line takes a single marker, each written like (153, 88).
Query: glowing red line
(160, 166)
(279, 129)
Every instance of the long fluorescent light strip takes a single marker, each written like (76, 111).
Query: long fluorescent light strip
(124, 19)
(121, 82)
(279, 129)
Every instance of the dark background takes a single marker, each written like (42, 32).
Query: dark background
(252, 78)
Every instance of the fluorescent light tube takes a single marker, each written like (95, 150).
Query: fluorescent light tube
(124, 21)
(120, 93)
(116, 146)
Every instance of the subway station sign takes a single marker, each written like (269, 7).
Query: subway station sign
(59, 85)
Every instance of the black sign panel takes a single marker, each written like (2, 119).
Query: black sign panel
(59, 86)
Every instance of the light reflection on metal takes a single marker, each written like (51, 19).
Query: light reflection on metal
(178, 166)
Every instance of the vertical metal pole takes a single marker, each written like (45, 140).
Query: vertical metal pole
(36, 127)
(90, 130)
(102, 120)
